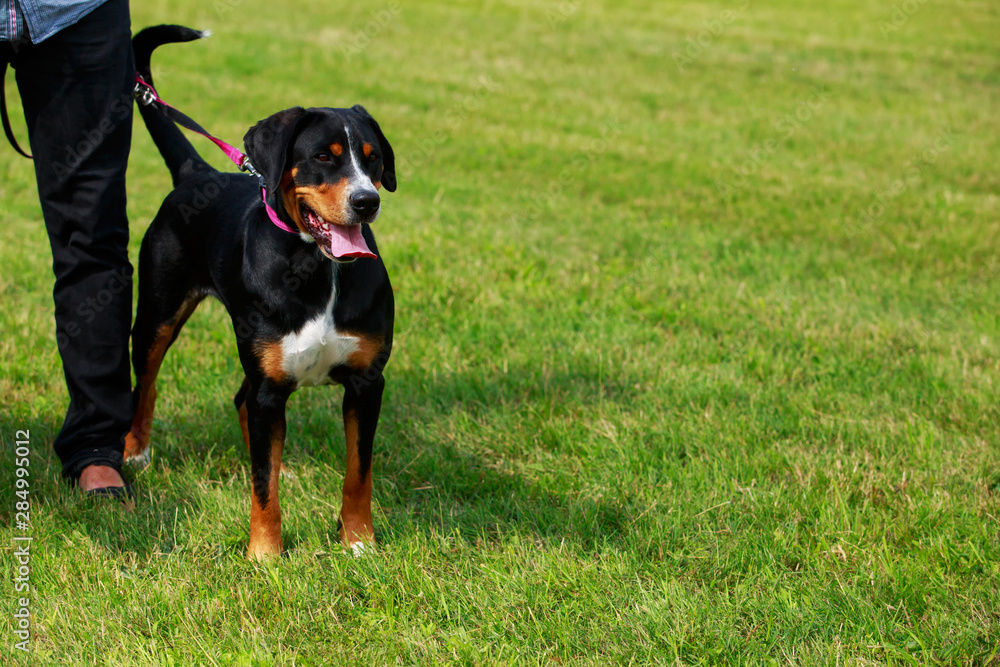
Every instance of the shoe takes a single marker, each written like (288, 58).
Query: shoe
(123, 492)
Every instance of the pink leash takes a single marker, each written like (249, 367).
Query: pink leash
(146, 95)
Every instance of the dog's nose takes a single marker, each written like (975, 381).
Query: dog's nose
(365, 202)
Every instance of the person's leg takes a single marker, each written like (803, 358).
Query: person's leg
(76, 90)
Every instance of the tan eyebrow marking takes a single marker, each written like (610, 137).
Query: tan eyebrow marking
(336, 149)
(366, 149)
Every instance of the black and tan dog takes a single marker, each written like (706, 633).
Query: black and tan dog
(308, 308)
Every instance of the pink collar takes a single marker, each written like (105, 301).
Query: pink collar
(263, 195)
(147, 95)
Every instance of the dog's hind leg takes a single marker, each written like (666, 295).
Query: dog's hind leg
(152, 335)
(165, 304)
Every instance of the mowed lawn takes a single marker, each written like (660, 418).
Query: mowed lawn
(697, 353)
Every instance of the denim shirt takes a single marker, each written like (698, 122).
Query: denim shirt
(42, 18)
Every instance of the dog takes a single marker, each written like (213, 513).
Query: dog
(309, 308)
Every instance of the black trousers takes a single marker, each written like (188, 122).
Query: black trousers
(76, 90)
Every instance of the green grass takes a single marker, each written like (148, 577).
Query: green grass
(660, 392)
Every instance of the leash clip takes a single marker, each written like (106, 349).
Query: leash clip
(247, 165)
(144, 94)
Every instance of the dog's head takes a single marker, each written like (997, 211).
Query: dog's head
(322, 169)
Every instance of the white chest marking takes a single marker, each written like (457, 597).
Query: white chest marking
(309, 353)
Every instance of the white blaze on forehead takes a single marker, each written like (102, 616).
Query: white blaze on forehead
(359, 181)
(364, 182)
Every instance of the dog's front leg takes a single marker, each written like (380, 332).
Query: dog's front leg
(265, 407)
(362, 404)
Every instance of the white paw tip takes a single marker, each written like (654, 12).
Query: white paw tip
(142, 460)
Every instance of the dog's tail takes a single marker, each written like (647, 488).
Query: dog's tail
(181, 157)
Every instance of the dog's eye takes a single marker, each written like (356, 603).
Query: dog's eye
(323, 157)
(372, 157)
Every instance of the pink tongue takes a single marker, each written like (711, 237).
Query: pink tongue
(348, 242)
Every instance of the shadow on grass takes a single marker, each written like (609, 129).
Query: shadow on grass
(60, 513)
(448, 491)
(441, 487)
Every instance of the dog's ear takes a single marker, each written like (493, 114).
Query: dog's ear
(269, 146)
(388, 157)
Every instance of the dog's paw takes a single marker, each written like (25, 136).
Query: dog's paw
(140, 460)
(359, 549)
(356, 541)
